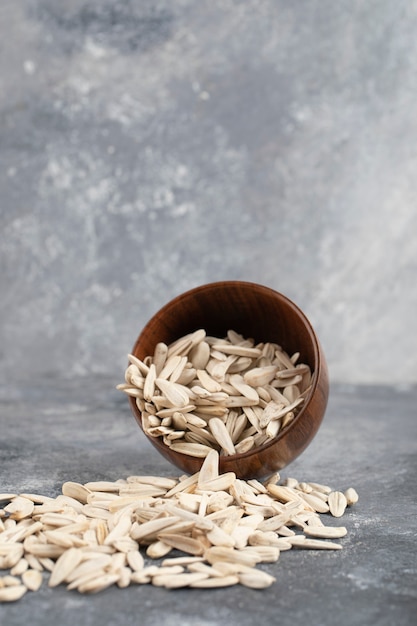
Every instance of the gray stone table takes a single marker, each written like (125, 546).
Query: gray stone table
(82, 430)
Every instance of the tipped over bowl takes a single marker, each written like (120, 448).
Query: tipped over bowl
(253, 311)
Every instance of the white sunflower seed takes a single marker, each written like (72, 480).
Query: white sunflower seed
(256, 579)
(351, 496)
(221, 434)
(64, 565)
(99, 583)
(11, 594)
(32, 579)
(337, 503)
(76, 491)
(183, 543)
(176, 581)
(191, 449)
(299, 541)
(325, 532)
(158, 549)
(19, 508)
(215, 582)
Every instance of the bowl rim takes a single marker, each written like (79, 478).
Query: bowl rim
(226, 459)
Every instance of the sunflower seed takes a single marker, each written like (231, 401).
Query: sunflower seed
(183, 543)
(4, 497)
(20, 567)
(299, 541)
(351, 496)
(88, 568)
(221, 483)
(337, 503)
(282, 493)
(315, 502)
(64, 565)
(219, 537)
(246, 390)
(10, 581)
(19, 508)
(33, 562)
(99, 583)
(76, 491)
(229, 348)
(61, 539)
(325, 532)
(176, 581)
(208, 382)
(175, 393)
(32, 579)
(199, 355)
(231, 555)
(215, 582)
(158, 549)
(45, 550)
(192, 449)
(11, 594)
(222, 436)
(260, 376)
(160, 356)
(150, 529)
(209, 469)
(256, 579)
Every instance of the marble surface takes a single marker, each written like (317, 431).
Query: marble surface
(73, 430)
(150, 146)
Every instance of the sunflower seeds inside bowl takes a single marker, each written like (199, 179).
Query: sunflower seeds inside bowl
(203, 392)
(208, 530)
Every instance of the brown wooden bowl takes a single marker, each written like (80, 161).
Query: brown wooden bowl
(265, 315)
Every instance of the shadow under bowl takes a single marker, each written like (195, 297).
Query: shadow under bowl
(265, 315)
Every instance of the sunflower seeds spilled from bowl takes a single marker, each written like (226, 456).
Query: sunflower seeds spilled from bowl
(205, 530)
(201, 393)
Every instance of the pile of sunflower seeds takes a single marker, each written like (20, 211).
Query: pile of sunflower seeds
(229, 394)
(215, 529)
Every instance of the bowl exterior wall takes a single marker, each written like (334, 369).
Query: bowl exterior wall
(265, 315)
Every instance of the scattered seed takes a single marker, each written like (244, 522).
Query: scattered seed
(32, 579)
(256, 579)
(89, 537)
(299, 541)
(135, 560)
(76, 491)
(10, 581)
(158, 549)
(20, 567)
(351, 496)
(325, 532)
(183, 543)
(221, 435)
(315, 502)
(98, 583)
(337, 503)
(65, 564)
(11, 594)
(176, 581)
(19, 508)
(215, 582)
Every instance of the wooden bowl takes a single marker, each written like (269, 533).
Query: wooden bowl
(265, 315)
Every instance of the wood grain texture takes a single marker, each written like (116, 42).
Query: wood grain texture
(265, 315)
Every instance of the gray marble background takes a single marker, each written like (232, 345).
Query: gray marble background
(150, 146)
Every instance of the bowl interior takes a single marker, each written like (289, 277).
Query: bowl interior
(254, 311)
(250, 309)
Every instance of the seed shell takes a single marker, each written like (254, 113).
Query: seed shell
(11, 594)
